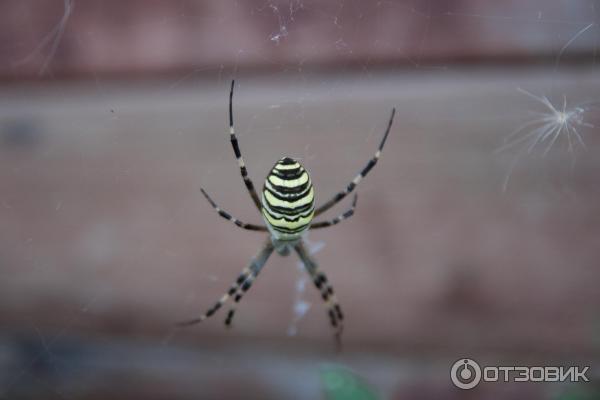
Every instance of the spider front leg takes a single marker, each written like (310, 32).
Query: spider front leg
(238, 153)
(251, 270)
(340, 195)
(336, 317)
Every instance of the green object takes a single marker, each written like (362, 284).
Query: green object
(340, 383)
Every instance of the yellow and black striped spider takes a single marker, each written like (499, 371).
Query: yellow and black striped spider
(288, 208)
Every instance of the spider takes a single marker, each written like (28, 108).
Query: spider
(287, 206)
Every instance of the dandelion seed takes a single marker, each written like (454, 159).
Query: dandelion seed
(545, 129)
(548, 126)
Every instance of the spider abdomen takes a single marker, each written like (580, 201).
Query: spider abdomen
(288, 202)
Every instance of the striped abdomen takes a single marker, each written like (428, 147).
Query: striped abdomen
(288, 202)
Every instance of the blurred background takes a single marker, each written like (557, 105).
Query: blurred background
(477, 235)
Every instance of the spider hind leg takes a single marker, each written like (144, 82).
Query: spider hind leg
(334, 311)
(239, 287)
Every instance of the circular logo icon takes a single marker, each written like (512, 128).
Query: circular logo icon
(465, 373)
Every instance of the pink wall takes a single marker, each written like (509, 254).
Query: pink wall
(155, 36)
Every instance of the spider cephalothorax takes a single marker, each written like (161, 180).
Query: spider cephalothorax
(287, 205)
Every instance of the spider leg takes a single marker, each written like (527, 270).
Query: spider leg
(338, 219)
(241, 290)
(229, 217)
(336, 317)
(340, 195)
(238, 154)
(251, 270)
